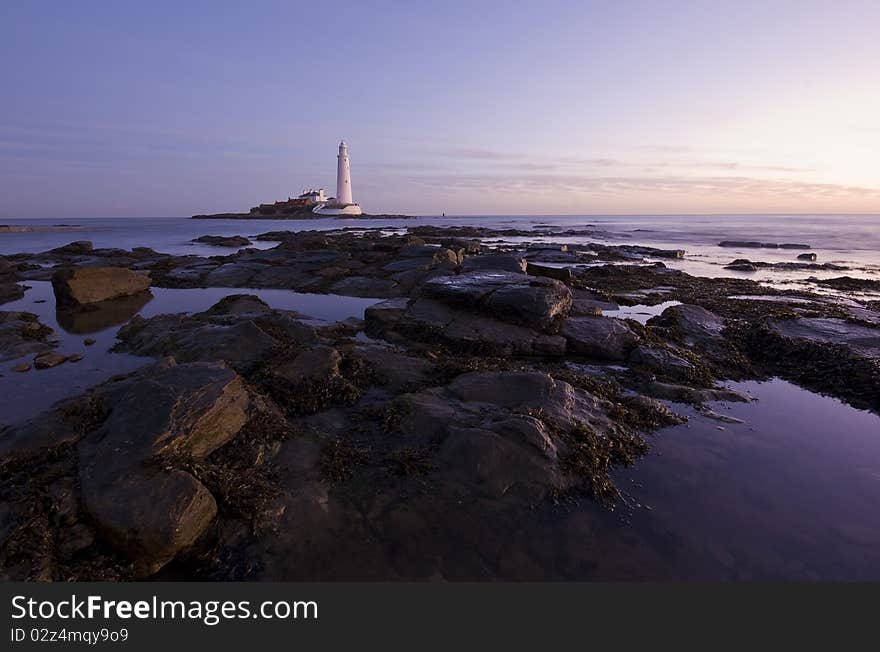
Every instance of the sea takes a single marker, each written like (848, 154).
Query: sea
(787, 489)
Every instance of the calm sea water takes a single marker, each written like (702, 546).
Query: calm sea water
(849, 240)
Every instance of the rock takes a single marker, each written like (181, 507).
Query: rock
(811, 257)
(603, 338)
(80, 247)
(741, 266)
(11, 292)
(384, 315)
(694, 324)
(863, 341)
(685, 394)
(87, 285)
(21, 334)
(22, 367)
(539, 303)
(150, 515)
(89, 341)
(426, 319)
(315, 364)
(151, 512)
(364, 286)
(395, 370)
(224, 241)
(237, 330)
(75, 357)
(488, 437)
(49, 359)
(498, 262)
(233, 274)
(848, 283)
(559, 273)
(793, 245)
(585, 303)
(661, 361)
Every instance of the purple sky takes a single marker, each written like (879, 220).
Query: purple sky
(152, 108)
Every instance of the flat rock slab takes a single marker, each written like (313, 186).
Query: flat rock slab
(86, 285)
(536, 302)
(863, 341)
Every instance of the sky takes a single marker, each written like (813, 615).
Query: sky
(482, 107)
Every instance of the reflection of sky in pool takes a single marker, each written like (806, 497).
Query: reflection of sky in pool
(23, 395)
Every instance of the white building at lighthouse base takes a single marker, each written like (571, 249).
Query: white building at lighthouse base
(337, 209)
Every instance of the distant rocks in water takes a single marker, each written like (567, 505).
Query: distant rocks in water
(746, 265)
(224, 241)
(848, 283)
(752, 244)
(810, 257)
(16, 228)
(74, 248)
(87, 285)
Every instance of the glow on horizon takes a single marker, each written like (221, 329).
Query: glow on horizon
(590, 107)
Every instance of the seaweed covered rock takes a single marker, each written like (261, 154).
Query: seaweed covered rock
(240, 329)
(694, 324)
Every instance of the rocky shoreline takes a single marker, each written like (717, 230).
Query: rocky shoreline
(486, 388)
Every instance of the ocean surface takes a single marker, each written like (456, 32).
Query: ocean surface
(791, 493)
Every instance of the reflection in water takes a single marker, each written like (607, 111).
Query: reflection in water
(96, 317)
(24, 395)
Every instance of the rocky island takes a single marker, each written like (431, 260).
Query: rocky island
(490, 385)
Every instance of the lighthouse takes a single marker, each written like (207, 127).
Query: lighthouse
(343, 176)
(342, 204)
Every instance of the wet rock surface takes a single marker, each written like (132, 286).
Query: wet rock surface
(89, 285)
(21, 333)
(432, 440)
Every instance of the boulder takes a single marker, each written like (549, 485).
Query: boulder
(810, 256)
(426, 319)
(150, 511)
(87, 285)
(538, 303)
(602, 338)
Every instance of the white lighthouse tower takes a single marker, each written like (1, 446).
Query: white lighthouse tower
(342, 204)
